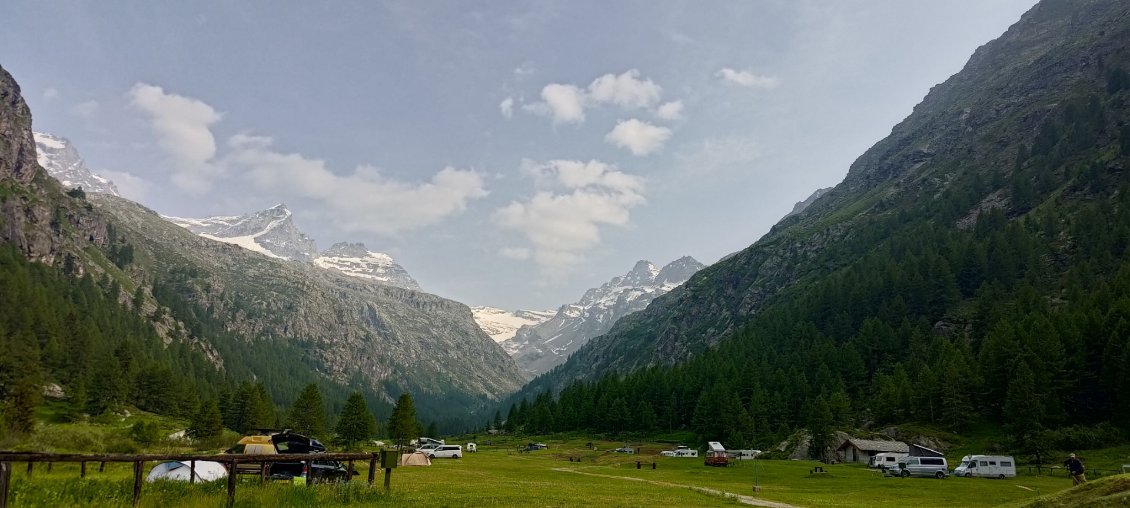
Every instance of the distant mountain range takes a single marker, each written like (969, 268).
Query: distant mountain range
(272, 232)
(537, 348)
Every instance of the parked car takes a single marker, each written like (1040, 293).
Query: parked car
(921, 466)
(625, 449)
(446, 452)
(272, 443)
(536, 446)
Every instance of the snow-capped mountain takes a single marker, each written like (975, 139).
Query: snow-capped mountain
(541, 347)
(356, 260)
(502, 324)
(270, 232)
(61, 160)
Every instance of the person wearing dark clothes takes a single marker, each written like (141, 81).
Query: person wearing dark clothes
(1075, 469)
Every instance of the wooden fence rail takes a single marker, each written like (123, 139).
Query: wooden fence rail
(229, 460)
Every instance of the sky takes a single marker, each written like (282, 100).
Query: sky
(511, 154)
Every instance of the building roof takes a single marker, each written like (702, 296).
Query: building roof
(870, 445)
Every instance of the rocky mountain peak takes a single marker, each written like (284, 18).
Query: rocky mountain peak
(62, 161)
(17, 153)
(347, 249)
(540, 347)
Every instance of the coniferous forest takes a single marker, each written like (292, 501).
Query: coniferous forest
(1017, 316)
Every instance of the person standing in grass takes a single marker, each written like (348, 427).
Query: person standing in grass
(1075, 469)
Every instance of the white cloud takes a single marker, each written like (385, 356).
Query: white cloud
(85, 110)
(747, 78)
(183, 130)
(562, 222)
(566, 103)
(641, 138)
(364, 200)
(506, 107)
(626, 90)
(670, 111)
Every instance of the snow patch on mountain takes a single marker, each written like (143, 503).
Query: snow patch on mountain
(538, 348)
(502, 324)
(62, 161)
(355, 260)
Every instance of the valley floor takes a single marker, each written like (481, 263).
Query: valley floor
(499, 475)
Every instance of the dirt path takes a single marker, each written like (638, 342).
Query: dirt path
(740, 498)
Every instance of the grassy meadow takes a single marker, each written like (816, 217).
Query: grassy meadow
(499, 475)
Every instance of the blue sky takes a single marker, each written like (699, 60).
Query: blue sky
(510, 154)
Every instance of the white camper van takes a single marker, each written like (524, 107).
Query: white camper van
(989, 466)
(886, 460)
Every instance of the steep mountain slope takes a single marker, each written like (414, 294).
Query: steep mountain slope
(354, 331)
(541, 347)
(1031, 114)
(61, 160)
(502, 324)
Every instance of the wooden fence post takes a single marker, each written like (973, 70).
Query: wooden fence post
(137, 483)
(191, 472)
(310, 473)
(372, 469)
(5, 479)
(388, 479)
(102, 466)
(231, 483)
(82, 470)
(29, 463)
(262, 473)
(49, 466)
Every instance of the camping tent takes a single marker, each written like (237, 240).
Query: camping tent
(206, 471)
(415, 459)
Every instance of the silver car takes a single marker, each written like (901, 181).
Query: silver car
(921, 466)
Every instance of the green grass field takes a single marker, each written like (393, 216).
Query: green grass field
(500, 476)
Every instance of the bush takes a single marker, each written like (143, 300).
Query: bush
(145, 432)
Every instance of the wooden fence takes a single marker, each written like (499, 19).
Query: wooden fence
(229, 460)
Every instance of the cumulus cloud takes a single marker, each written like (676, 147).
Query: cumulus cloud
(506, 107)
(362, 201)
(183, 130)
(746, 78)
(670, 110)
(626, 90)
(640, 138)
(566, 103)
(563, 219)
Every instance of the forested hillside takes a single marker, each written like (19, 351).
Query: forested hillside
(972, 266)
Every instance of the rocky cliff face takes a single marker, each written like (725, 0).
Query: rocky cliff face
(35, 216)
(355, 260)
(540, 347)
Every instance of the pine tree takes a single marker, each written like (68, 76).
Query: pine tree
(402, 424)
(355, 424)
(308, 415)
(206, 422)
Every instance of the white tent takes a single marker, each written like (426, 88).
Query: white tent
(206, 471)
(415, 459)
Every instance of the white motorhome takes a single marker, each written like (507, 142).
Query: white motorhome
(886, 460)
(988, 466)
(680, 451)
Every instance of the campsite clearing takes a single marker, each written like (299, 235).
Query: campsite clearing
(500, 476)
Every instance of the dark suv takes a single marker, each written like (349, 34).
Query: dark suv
(289, 442)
